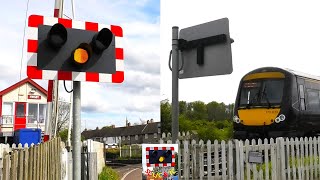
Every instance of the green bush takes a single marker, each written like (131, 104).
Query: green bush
(112, 153)
(108, 174)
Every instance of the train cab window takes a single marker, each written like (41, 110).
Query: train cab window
(262, 92)
(313, 101)
(272, 91)
(249, 92)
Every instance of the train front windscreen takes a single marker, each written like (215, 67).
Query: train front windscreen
(261, 93)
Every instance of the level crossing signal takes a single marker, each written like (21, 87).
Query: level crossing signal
(64, 49)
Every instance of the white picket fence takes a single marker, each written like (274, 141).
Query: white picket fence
(297, 158)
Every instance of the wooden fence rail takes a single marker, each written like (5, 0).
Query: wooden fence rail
(270, 159)
(36, 162)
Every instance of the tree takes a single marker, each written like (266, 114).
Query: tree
(63, 116)
(197, 110)
(217, 111)
(64, 135)
(182, 107)
(165, 108)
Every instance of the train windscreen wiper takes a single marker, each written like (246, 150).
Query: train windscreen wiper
(264, 94)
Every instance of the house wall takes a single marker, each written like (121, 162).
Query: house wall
(21, 94)
(141, 139)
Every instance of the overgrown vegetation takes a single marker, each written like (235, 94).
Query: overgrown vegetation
(210, 121)
(108, 174)
(112, 153)
(63, 134)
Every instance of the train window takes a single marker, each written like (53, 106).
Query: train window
(249, 92)
(313, 101)
(272, 91)
(264, 92)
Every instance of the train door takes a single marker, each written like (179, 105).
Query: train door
(311, 116)
(20, 115)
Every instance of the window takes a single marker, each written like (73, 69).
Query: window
(7, 113)
(42, 112)
(146, 136)
(128, 137)
(20, 111)
(123, 138)
(313, 101)
(155, 135)
(36, 112)
(136, 137)
(261, 92)
(32, 113)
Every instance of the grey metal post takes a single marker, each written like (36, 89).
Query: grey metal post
(76, 130)
(175, 83)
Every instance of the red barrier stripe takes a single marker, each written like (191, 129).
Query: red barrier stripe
(119, 53)
(33, 72)
(35, 20)
(118, 77)
(50, 88)
(148, 149)
(56, 13)
(92, 26)
(66, 22)
(90, 76)
(64, 75)
(32, 46)
(116, 30)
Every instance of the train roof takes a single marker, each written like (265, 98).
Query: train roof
(293, 72)
(302, 74)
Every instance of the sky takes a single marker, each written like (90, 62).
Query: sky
(273, 33)
(102, 104)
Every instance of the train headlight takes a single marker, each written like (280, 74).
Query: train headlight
(282, 117)
(277, 120)
(236, 119)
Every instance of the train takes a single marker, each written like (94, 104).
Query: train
(276, 102)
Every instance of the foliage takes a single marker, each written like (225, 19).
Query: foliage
(112, 153)
(63, 115)
(166, 117)
(64, 135)
(197, 110)
(211, 121)
(108, 174)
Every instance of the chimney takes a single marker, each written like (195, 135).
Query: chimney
(128, 124)
(151, 120)
(147, 121)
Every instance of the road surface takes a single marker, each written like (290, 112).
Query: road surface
(130, 172)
